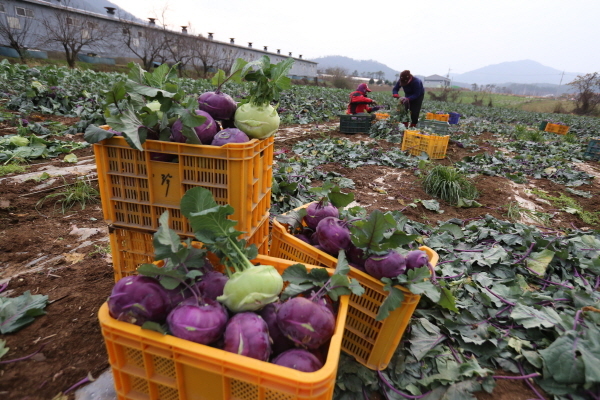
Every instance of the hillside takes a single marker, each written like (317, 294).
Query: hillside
(524, 71)
(363, 67)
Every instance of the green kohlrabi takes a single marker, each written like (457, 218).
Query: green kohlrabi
(256, 116)
(258, 122)
(250, 287)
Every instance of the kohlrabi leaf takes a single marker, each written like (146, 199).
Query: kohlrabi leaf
(116, 93)
(293, 219)
(128, 123)
(3, 348)
(17, 312)
(393, 300)
(539, 261)
(370, 233)
(94, 134)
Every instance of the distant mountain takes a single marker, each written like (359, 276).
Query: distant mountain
(363, 67)
(525, 71)
(97, 6)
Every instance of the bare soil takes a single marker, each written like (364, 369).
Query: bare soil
(63, 256)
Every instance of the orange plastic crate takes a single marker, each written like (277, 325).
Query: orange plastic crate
(130, 247)
(381, 116)
(557, 128)
(136, 190)
(442, 117)
(435, 146)
(371, 342)
(148, 365)
(430, 116)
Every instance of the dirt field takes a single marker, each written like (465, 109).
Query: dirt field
(63, 255)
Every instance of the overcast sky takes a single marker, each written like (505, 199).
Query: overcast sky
(427, 37)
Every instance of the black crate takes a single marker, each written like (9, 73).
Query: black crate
(593, 150)
(357, 123)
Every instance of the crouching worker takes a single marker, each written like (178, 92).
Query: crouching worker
(359, 102)
(414, 93)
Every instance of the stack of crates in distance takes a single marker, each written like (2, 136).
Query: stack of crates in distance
(556, 128)
(437, 127)
(356, 123)
(150, 365)
(371, 342)
(593, 150)
(416, 142)
(136, 188)
(438, 117)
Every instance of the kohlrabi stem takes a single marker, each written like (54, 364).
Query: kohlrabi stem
(527, 253)
(85, 380)
(534, 375)
(502, 299)
(393, 389)
(3, 287)
(576, 321)
(455, 354)
(244, 259)
(555, 283)
(23, 358)
(540, 397)
(432, 270)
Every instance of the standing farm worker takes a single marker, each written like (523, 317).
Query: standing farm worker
(414, 94)
(359, 102)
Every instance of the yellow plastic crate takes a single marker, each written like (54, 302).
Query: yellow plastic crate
(371, 342)
(557, 128)
(149, 365)
(430, 116)
(381, 116)
(442, 117)
(130, 247)
(435, 146)
(136, 190)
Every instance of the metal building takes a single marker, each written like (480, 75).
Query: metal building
(116, 37)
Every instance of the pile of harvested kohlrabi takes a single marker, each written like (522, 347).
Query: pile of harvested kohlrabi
(234, 305)
(151, 105)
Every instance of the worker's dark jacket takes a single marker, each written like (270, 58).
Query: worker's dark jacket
(413, 90)
(359, 103)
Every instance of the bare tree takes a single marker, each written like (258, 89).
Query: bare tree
(587, 96)
(205, 55)
(227, 56)
(146, 44)
(179, 49)
(74, 32)
(15, 32)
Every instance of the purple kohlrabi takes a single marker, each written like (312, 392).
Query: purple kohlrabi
(201, 323)
(307, 323)
(416, 259)
(247, 334)
(315, 212)
(205, 132)
(138, 299)
(229, 135)
(211, 285)
(280, 342)
(219, 105)
(333, 235)
(389, 265)
(299, 359)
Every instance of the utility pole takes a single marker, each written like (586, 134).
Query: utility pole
(448, 76)
(560, 83)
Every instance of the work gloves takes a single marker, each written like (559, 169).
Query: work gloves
(404, 100)
(396, 95)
